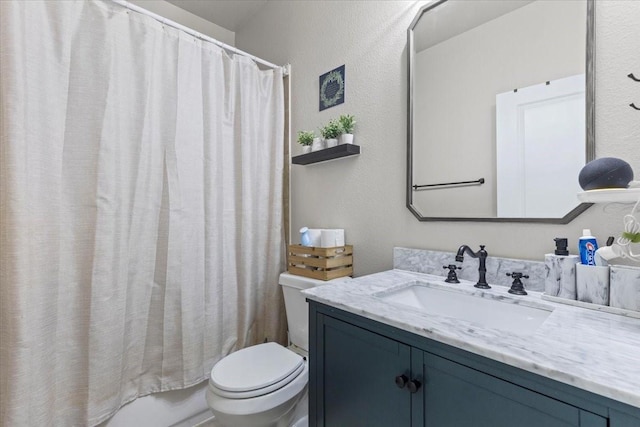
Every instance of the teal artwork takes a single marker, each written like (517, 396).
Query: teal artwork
(332, 88)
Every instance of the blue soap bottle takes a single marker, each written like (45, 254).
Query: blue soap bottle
(305, 239)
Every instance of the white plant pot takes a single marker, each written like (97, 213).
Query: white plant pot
(318, 144)
(331, 142)
(306, 149)
(346, 138)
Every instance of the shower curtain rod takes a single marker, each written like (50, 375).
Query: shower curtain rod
(165, 21)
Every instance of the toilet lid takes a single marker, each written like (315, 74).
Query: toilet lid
(255, 367)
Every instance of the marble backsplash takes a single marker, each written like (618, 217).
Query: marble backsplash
(432, 262)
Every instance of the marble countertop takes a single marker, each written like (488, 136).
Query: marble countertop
(595, 351)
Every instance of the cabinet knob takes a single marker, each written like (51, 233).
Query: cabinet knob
(401, 381)
(414, 386)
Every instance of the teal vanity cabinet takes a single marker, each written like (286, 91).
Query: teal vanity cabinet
(456, 395)
(354, 360)
(365, 373)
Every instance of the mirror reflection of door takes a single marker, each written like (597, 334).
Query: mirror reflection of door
(466, 55)
(540, 133)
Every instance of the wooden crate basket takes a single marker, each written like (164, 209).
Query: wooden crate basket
(321, 263)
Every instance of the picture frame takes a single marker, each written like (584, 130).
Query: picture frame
(332, 88)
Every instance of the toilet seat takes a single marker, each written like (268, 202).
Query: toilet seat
(258, 392)
(259, 404)
(255, 371)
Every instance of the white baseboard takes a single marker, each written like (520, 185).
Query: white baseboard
(209, 422)
(203, 419)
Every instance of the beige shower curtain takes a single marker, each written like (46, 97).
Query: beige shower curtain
(140, 209)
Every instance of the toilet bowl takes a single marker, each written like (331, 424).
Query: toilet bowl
(265, 385)
(258, 386)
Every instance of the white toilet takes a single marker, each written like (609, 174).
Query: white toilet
(265, 385)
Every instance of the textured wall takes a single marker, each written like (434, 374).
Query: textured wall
(188, 19)
(366, 194)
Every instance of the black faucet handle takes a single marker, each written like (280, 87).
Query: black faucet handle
(452, 277)
(517, 288)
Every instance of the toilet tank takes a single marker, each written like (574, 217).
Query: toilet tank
(297, 307)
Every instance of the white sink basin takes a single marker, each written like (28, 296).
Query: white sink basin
(485, 312)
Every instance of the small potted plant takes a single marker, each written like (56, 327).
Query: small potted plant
(305, 138)
(347, 123)
(331, 132)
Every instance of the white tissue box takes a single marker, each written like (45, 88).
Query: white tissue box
(314, 236)
(330, 238)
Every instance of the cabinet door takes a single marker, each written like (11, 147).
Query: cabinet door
(455, 395)
(356, 376)
(620, 419)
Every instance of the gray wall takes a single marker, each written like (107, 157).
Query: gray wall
(188, 19)
(366, 195)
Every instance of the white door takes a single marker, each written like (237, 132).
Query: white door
(544, 125)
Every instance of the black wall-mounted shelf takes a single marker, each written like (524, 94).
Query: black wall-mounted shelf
(342, 150)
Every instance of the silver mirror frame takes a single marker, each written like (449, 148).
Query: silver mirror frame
(590, 122)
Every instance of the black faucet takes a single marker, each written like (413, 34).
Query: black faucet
(482, 267)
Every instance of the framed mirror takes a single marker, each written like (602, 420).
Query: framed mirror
(500, 109)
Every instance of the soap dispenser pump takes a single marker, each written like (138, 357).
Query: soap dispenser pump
(561, 246)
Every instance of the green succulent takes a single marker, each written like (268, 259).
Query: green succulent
(633, 237)
(332, 130)
(347, 123)
(306, 137)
